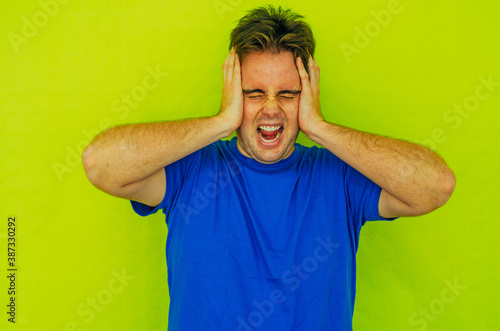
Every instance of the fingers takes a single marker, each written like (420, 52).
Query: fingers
(313, 69)
(224, 66)
(232, 96)
(309, 80)
(237, 68)
(236, 61)
(304, 77)
(314, 74)
(231, 66)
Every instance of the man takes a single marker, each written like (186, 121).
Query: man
(263, 232)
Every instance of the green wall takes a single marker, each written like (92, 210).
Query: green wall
(415, 70)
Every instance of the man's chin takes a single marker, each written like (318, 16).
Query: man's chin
(270, 155)
(267, 158)
(264, 153)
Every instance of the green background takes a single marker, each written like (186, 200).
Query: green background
(64, 79)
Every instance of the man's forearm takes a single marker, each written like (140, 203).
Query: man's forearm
(412, 173)
(129, 153)
(127, 160)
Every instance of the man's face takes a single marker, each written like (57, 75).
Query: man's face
(271, 92)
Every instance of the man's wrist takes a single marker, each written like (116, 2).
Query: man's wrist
(224, 125)
(316, 130)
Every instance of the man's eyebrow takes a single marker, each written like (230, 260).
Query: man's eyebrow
(280, 92)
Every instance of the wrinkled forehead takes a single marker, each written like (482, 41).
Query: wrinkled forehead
(269, 71)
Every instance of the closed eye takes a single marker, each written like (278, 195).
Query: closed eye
(260, 96)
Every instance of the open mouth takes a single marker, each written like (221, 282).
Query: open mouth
(269, 133)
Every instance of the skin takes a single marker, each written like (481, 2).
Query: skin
(127, 161)
(277, 103)
(414, 179)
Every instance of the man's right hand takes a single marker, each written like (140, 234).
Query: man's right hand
(231, 109)
(128, 161)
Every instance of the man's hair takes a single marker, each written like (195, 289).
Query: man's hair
(267, 29)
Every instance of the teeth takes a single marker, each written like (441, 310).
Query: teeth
(277, 136)
(269, 128)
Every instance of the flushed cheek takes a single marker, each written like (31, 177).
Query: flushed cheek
(249, 116)
(292, 117)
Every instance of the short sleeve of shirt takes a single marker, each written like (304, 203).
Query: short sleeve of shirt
(363, 196)
(175, 175)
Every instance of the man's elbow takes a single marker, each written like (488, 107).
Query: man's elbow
(436, 197)
(446, 186)
(97, 170)
(89, 161)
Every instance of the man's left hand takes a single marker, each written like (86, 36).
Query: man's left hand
(309, 107)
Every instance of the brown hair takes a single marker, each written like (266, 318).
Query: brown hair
(266, 29)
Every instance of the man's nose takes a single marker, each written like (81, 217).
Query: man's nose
(271, 108)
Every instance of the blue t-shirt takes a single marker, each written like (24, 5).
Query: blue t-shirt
(254, 246)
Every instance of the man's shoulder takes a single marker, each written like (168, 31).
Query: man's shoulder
(219, 147)
(314, 152)
(228, 149)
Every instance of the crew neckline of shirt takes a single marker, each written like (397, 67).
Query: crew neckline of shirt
(250, 162)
